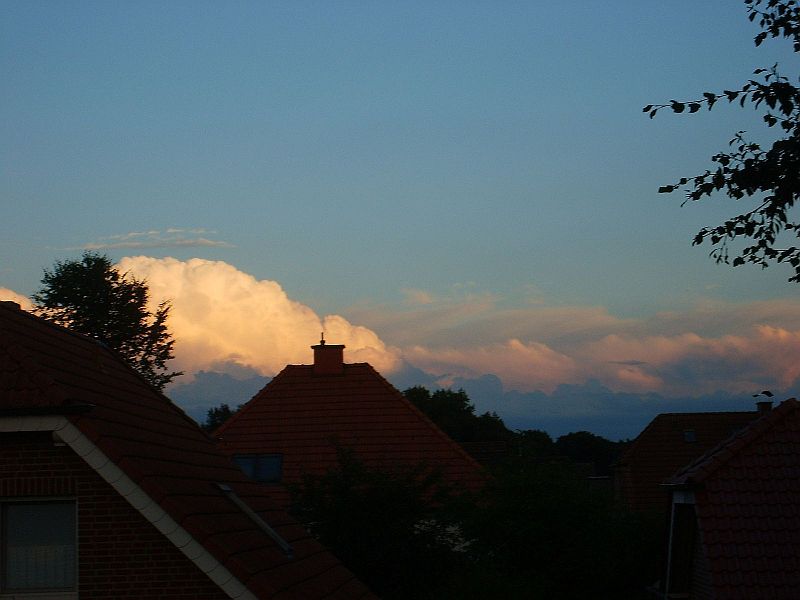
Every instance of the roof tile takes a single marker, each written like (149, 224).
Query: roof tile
(749, 511)
(164, 452)
(305, 415)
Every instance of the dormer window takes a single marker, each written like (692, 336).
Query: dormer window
(264, 468)
(689, 436)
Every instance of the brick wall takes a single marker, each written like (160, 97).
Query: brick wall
(120, 554)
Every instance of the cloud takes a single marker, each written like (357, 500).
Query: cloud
(414, 296)
(468, 316)
(691, 364)
(712, 345)
(224, 318)
(528, 366)
(222, 315)
(169, 238)
(24, 302)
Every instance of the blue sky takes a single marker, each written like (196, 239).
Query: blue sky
(445, 163)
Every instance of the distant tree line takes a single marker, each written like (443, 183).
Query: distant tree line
(455, 414)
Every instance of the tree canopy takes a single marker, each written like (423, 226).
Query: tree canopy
(767, 178)
(92, 297)
(217, 415)
(454, 413)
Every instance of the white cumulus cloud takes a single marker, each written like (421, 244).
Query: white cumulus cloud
(222, 315)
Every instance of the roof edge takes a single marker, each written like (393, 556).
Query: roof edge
(426, 419)
(633, 448)
(709, 463)
(135, 495)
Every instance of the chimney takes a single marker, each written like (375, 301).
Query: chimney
(328, 358)
(11, 304)
(764, 406)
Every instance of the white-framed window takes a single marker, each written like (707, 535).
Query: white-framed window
(38, 548)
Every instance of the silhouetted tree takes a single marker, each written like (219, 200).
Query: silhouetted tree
(768, 178)
(534, 443)
(454, 413)
(92, 297)
(217, 415)
(585, 447)
(393, 530)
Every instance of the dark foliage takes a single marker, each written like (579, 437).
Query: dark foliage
(92, 297)
(539, 529)
(534, 443)
(454, 413)
(585, 447)
(767, 178)
(393, 530)
(217, 415)
(543, 531)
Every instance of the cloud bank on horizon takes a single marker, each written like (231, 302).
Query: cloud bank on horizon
(224, 317)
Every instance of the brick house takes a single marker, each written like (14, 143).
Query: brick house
(110, 491)
(735, 515)
(295, 424)
(668, 443)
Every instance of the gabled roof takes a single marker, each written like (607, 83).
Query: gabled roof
(669, 442)
(151, 452)
(747, 501)
(306, 411)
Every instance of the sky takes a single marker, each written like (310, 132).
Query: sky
(463, 193)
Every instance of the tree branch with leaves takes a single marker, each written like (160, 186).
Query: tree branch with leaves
(768, 177)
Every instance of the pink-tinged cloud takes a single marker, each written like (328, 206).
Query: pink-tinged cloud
(523, 366)
(689, 364)
(23, 301)
(708, 347)
(222, 315)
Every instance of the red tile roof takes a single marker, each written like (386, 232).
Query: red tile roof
(45, 368)
(304, 414)
(747, 501)
(669, 442)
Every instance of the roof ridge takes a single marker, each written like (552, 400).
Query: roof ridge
(633, 448)
(41, 320)
(426, 419)
(707, 412)
(700, 469)
(247, 406)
